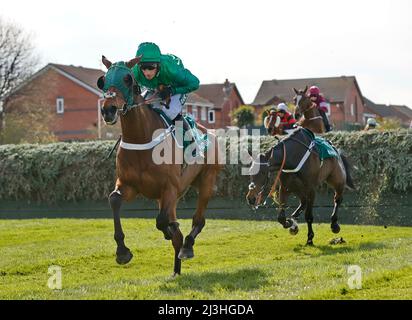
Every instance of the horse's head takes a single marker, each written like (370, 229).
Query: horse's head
(259, 180)
(302, 102)
(117, 85)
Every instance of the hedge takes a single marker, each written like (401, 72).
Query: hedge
(78, 171)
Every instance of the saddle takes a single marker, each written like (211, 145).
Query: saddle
(180, 132)
(324, 147)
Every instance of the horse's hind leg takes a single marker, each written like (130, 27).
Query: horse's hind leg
(205, 187)
(337, 180)
(309, 217)
(123, 254)
(167, 223)
(337, 202)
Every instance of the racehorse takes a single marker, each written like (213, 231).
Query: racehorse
(300, 171)
(138, 174)
(274, 126)
(311, 119)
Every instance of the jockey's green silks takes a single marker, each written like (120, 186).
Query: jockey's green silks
(172, 72)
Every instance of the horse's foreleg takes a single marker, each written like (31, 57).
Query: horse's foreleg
(167, 223)
(283, 199)
(309, 217)
(302, 206)
(123, 254)
(205, 187)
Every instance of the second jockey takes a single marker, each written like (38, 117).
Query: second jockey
(322, 105)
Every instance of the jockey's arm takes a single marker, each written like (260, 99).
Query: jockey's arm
(184, 82)
(290, 122)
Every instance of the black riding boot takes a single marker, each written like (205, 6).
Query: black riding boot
(180, 117)
(325, 120)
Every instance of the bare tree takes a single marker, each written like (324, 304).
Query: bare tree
(17, 57)
(17, 60)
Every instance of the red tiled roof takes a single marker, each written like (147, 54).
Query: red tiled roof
(86, 75)
(215, 93)
(390, 111)
(194, 98)
(334, 89)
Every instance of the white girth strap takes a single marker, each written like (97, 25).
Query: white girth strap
(147, 146)
(315, 118)
(302, 162)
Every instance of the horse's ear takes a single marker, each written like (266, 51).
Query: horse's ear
(100, 82)
(106, 62)
(306, 90)
(128, 80)
(130, 64)
(296, 91)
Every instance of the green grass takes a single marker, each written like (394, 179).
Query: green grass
(233, 260)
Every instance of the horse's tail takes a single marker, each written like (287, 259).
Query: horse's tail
(349, 181)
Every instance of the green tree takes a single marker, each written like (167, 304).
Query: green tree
(243, 116)
(389, 124)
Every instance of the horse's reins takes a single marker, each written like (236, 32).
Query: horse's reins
(263, 188)
(277, 180)
(314, 118)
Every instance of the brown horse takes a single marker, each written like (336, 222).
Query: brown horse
(311, 119)
(138, 174)
(274, 126)
(301, 172)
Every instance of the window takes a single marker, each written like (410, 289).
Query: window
(60, 105)
(203, 114)
(211, 116)
(194, 112)
(352, 109)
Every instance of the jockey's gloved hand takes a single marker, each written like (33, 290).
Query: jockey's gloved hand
(165, 92)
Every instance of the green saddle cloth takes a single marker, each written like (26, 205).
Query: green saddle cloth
(201, 139)
(325, 148)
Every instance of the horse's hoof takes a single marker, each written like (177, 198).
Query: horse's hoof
(125, 258)
(294, 230)
(335, 228)
(186, 254)
(309, 243)
(175, 275)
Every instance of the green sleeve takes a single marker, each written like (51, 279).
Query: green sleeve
(184, 82)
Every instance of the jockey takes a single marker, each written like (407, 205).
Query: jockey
(371, 124)
(287, 121)
(166, 75)
(286, 118)
(322, 105)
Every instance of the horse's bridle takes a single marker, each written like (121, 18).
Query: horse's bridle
(310, 108)
(125, 108)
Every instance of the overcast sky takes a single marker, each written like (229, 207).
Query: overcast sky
(245, 41)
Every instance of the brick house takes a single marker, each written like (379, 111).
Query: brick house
(70, 92)
(225, 98)
(343, 94)
(401, 113)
